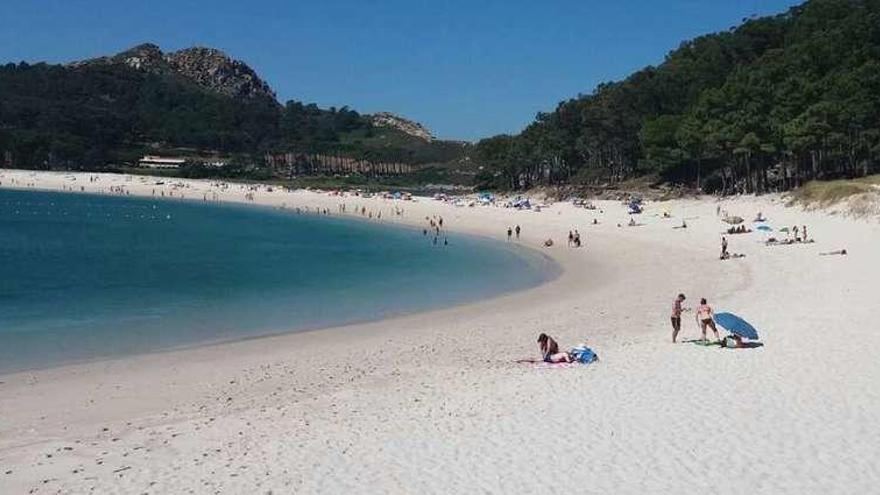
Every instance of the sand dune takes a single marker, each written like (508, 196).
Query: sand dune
(435, 402)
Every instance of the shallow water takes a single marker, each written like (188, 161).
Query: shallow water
(85, 277)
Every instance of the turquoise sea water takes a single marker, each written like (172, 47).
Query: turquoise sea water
(84, 277)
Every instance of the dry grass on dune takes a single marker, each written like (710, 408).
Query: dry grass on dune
(856, 197)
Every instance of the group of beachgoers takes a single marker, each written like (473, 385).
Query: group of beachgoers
(436, 227)
(725, 254)
(739, 229)
(574, 237)
(705, 319)
(799, 236)
(794, 235)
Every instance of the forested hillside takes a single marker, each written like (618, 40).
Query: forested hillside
(113, 110)
(765, 106)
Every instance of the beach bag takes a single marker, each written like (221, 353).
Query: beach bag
(583, 354)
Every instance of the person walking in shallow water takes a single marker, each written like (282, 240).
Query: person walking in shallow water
(509, 233)
(517, 232)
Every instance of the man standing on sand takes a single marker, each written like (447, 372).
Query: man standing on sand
(676, 316)
(724, 254)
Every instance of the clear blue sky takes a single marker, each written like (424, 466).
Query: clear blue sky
(466, 69)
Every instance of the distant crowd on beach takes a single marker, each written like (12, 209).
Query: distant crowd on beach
(704, 315)
(435, 230)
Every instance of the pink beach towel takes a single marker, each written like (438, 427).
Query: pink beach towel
(542, 365)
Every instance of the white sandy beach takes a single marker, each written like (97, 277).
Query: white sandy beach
(436, 403)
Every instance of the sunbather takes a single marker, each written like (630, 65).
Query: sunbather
(732, 341)
(841, 252)
(550, 350)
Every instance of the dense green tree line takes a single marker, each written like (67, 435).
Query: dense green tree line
(56, 116)
(92, 115)
(767, 105)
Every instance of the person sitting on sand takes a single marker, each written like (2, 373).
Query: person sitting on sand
(705, 318)
(632, 222)
(548, 243)
(550, 350)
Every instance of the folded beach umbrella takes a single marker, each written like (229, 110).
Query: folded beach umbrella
(736, 325)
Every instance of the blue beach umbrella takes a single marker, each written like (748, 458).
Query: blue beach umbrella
(765, 228)
(736, 325)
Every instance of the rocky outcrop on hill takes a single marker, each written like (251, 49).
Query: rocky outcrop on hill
(385, 119)
(146, 57)
(215, 70)
(208, 67)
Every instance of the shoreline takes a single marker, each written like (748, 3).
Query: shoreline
(550, 271)
(435, 402)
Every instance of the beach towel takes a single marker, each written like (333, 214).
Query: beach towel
(543, 365)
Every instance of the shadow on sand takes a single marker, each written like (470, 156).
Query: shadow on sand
(703, 343)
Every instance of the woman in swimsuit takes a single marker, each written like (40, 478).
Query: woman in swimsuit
(704, 319)
(550, 350)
